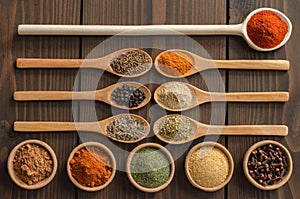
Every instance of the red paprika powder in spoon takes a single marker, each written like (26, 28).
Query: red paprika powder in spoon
(266, 29)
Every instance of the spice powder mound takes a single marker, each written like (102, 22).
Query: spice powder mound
(90, 167)
(208, 167)
(171, 62)
(32, 163)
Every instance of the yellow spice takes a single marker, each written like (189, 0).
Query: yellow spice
(209, 167)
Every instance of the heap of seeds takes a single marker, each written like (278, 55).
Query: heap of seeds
(267, 165)
(176, 128)
(129, 96)
(130, 63)
(209, 167)
(126, 128)
(32, 163)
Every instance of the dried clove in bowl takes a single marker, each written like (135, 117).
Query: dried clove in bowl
(267, 165)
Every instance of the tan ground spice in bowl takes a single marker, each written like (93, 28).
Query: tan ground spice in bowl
(209, 167)
(32, 163)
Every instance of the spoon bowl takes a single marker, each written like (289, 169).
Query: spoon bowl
(278, 13)
(97, 127)
(200, 64)
(103, 95)
(200, 130)
(185, 96)
(103, 63)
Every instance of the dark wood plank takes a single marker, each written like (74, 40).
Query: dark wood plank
(252, 113)
(14, 46)
(153, 12)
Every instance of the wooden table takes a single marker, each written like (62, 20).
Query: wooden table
(12, 46)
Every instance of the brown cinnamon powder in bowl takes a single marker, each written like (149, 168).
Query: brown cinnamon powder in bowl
(32, 164)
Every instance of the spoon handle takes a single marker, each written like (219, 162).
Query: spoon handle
(272, 130)
(57, 63)
(253, 64)
(53, 95)
(27, 29)
(56, 126)
(250, 97)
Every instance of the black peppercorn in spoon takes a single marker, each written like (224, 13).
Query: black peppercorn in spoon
(117, 63)
(198, 96)
(200, 130)
(106, 95)
(97, 127)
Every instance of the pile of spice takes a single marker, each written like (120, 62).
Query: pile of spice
(32, 163)
(176, 128)
(126, 128)
(129, 96)
(266, 29)
(90, 167)
(174, 61)
(131, 63)
(208, 167)
(267, 165)
(150, 168)
(175, 95)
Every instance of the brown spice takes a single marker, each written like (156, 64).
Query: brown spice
(32, 163)
(175, 61)
(91, 167)
(266, 29)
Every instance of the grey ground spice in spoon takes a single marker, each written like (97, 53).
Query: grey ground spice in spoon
(126, 128)
(131, 63)
(32, 163)
(175, 95)
(176, 128)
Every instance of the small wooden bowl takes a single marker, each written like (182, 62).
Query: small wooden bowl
(107, 152)
(285, 178)
(165, 152)
(18, 181)
(230, 162)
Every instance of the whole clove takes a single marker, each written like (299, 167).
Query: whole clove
(267, 165)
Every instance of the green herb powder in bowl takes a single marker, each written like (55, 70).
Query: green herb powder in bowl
(150, 167)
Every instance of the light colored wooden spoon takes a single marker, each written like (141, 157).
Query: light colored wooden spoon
(97, 127)
(200, 64)
(201, 97)
(98, 63)
(232, 29)
(201, 130)
(103, 95)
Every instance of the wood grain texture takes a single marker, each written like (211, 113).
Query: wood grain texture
(14, 46)
(257, 113)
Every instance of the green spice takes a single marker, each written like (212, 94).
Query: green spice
(176, 128)
(131, 63)
(175, 95)
(209, 167)
(150, 168)
(126, 128)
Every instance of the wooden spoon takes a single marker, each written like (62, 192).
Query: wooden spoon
(232, 29)
(200, 64)
(99, 63)
(200, 97)
(201, 130)
(97, 127)
(103, 95)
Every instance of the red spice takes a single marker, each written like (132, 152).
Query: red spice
(91, 167)
(266, 29)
